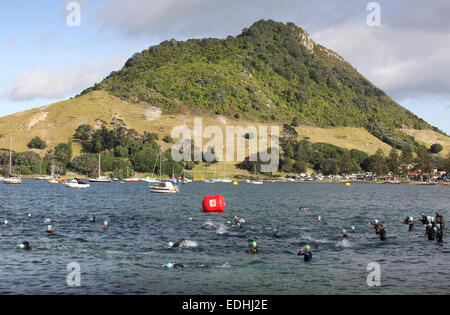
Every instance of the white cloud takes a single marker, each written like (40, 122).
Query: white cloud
(405, 63)
(46, 83)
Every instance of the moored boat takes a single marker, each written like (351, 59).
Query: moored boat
(165, 188)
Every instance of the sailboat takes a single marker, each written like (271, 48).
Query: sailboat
(100, 178)
(256, 182)
(52, 179)
(130, 180)
(224, 179)
(163, 187)
(40, 177)
(11, 179)
(152, 179)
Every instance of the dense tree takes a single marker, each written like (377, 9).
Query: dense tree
(37, 143)
(83, 132)
(436, 148)
(63, 153)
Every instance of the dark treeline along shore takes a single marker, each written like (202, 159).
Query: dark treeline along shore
(124, 151)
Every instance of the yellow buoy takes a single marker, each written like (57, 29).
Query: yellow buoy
(235, 183)
(347, 184)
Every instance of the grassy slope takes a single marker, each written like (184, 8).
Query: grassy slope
(64, 117)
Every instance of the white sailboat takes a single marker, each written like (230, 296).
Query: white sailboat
(256, 182)
(163, 187)
(11, 179)
(152, 180)
(100, 178)
(77, 183)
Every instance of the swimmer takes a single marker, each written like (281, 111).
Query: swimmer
(375, 224)
(319, 219)
(48, 220)
(177, 244)
(275, 232)
(29, 216)
(303, 208)
(49, 229)
(440, 220)
(174, 266)
(352, 229)
(254, 249)
(423, 219)
(5, 223)
(190, 219)
(381, 232)
(25, 246)
(93, 218)
(105, 225)
(429, 232)
(410, 224)
(438, 232)
(306, 252)
(344, 234)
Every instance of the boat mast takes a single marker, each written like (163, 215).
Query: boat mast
(99, 166)
(10, 155)
(160, 156)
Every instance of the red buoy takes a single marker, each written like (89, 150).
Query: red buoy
(214, 204)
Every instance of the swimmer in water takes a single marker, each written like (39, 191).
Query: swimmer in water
(429, 232)
(306, 253)
(319, 219)
(49, 229)
(275, 232)
(344, 234)
(25, 246)
(254, 249)
(381, 232)
(410, 224)
(177, 244)
(29, 216)
(5, 223)
(105, 225)
(352, 229)
(174, 266)
(48, 220)
(375, 224)
(423, 219)
(438, 233)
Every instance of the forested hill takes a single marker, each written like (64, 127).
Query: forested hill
(270, 72)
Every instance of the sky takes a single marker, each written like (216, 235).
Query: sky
(44, 58)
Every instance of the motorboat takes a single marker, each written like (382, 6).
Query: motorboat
(131, 180)
(165, 188)
(77, 183)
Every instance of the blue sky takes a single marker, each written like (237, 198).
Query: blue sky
(43, 60)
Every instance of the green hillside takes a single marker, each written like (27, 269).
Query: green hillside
(270, 72)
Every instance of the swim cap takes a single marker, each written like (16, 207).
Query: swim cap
(228, 222)
(307, 247)
(169, 265)
(343, 231)
(376, 221)
(423, 214)
(21, 246)
(438, 225)
(105, 223)
(49, 227)
(275, 230)
(235, 217)
(170, 244)
(6, 221)
(432, 218)
(254, 244)
(411, 218)
(352, 227)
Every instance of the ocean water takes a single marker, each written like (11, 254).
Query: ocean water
(129, 257)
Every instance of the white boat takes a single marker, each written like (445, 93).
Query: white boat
(256, 182)
(11, 179)
(76, 183)
(52, 181)
(150, 180)
(165, 188)
(100, 178)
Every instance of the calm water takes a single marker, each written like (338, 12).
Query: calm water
(129, 257)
